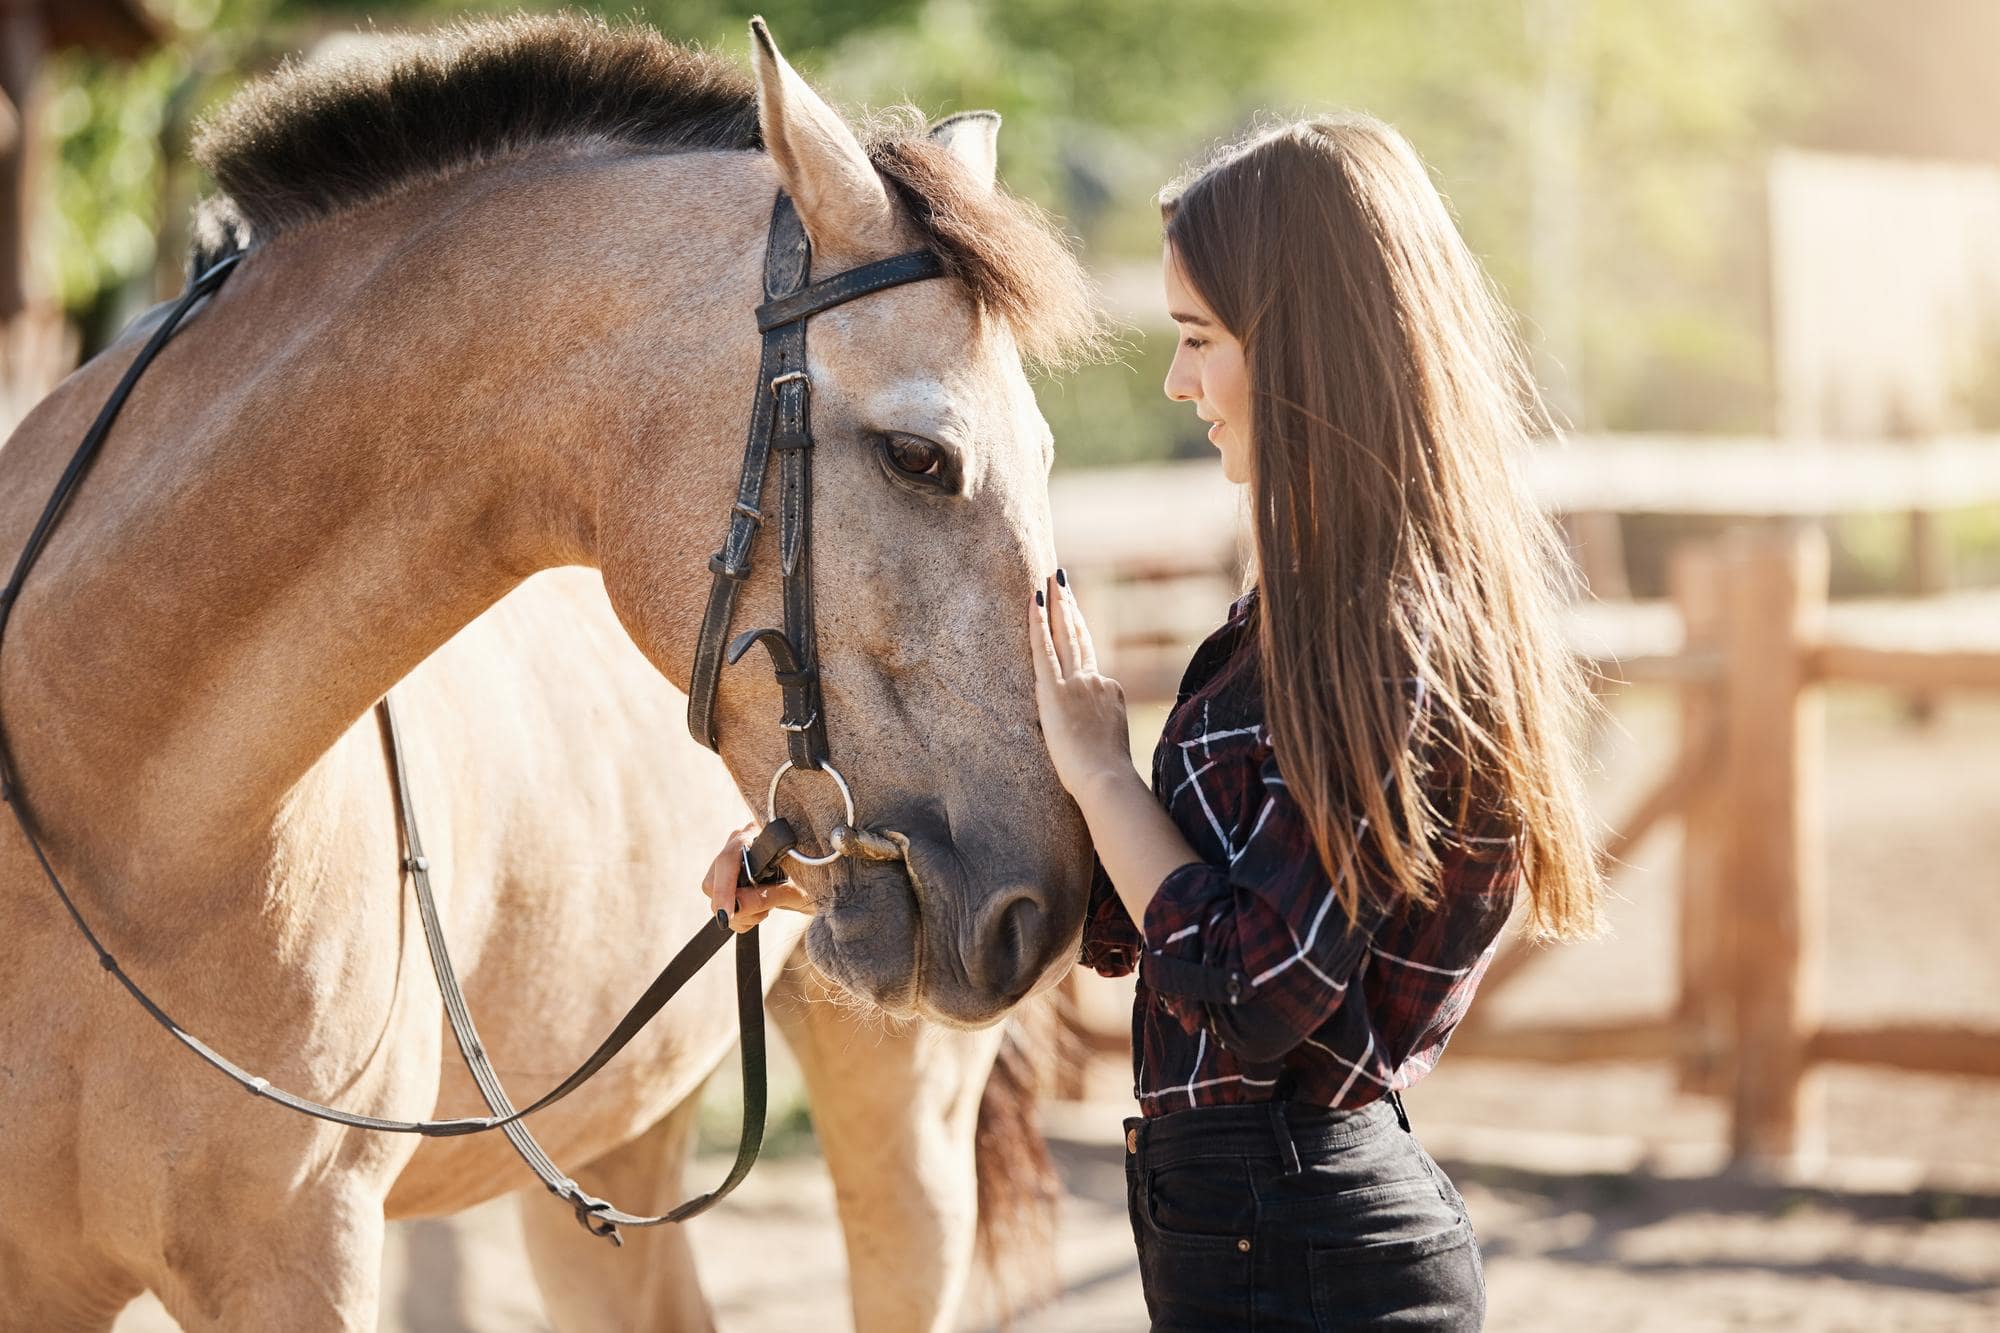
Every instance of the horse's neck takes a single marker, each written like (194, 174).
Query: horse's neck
(348, 456)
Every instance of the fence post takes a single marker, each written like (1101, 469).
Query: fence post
(1694, 576)
(1773, 856)
(1929, 575)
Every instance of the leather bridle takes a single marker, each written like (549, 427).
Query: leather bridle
(779, 421)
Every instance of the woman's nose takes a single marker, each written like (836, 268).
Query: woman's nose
(1181, 386)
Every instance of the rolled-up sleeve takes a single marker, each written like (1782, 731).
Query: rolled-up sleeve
(1259, 948)
(1110, 940)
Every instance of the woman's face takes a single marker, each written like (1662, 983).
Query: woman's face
(1208, 372)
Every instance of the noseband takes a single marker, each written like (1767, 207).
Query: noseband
(780, 421)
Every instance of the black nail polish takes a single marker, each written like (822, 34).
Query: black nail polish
(1062, 578)
(1041, 598)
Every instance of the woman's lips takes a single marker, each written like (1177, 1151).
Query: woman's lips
(1213, 428)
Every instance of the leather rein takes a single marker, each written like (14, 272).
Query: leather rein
(779, 421)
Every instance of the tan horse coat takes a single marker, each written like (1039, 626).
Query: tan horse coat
(336, 479)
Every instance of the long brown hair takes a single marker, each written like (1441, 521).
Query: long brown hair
(1395, 540)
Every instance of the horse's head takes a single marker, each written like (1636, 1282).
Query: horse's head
(929, 532)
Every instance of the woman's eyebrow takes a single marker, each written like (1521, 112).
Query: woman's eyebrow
(1180, 318)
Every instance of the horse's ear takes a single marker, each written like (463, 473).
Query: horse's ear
(839, 196)
(974, 138)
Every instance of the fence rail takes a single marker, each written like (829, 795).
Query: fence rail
(1749, 642)
(1753, 879)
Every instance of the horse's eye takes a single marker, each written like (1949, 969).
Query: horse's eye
(919, 458)
(918, 464)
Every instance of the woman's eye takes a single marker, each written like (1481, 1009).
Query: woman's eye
(919, 458)
(1194, 342)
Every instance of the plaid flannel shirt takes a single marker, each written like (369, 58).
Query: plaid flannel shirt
(1252, 985)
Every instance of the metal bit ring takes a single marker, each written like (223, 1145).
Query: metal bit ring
(771, 811)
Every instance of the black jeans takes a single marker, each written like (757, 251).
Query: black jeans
(1282, 1216)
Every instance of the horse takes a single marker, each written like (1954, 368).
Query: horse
(464, 422)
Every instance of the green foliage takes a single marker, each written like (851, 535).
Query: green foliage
(1099, 99)
(1656, 117)
(805, 25)
(119, 132)
(100, 215)
(1116, 412)
(1871, 552)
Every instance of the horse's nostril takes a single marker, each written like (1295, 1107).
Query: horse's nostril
(1007, 944)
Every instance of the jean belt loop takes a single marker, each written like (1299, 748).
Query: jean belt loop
(1281, 1139)
(1402, 1116)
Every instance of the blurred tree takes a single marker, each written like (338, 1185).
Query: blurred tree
(799, 25)
(1667, 110)
(119, 128)
(1603, 157)
(1601, 154)
(36, 344)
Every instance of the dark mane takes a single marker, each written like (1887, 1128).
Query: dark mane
(314, 140)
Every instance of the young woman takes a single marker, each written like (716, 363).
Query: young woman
(1366, 762)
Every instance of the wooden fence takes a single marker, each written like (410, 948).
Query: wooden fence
(1760, 644)
(1748, 644)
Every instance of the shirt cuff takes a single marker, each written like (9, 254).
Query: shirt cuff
(1110, 941)
(1186, 898)
(1190, 904)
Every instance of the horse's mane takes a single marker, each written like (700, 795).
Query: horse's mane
(317, 139)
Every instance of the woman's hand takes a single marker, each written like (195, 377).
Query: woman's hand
(1083, 712)
(747, 907)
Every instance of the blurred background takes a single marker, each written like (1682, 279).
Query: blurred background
(1755, 250)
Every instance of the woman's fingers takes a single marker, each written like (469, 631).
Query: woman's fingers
(1048, 667)
(789, 897)
(720, 882)
(750, 909)
(748, 905)
(1062, 644)
(1085, 652)
(1061, 624)
(759, 901)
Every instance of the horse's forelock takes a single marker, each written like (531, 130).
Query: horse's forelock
(1010, 254)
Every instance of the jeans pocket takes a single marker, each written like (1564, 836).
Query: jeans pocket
(1204, 1199)
(1430, 1282)
(1194, 1221)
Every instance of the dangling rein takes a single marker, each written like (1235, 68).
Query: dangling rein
(600, 1217)
(780, 410)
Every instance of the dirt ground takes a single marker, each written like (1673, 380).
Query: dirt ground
(1598, 1194)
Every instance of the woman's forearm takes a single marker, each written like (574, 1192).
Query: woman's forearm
(1135, 839)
